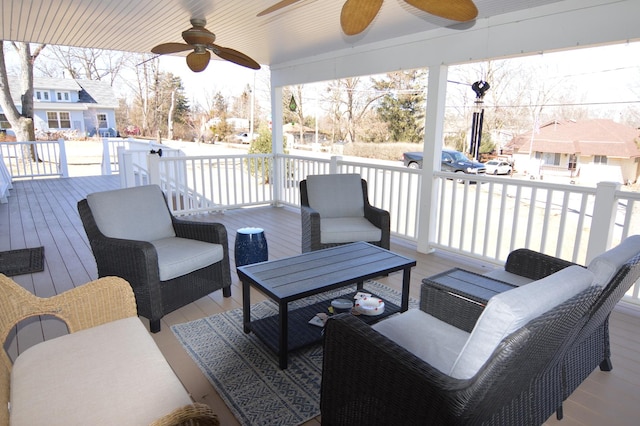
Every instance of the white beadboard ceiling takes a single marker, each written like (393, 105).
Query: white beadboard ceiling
(304, 29)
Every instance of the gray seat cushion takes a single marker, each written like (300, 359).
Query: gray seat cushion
(113, 374)
(181, 256)
(337, 230)
(460, 354)
(436, 342)
(139, 213)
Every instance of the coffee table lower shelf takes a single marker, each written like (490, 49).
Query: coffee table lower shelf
(301, 333)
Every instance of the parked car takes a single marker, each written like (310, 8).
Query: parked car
(452, 161)
(246, 137)
(498, 167)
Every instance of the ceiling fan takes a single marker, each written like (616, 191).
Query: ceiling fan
(356, 15)
(200, 40)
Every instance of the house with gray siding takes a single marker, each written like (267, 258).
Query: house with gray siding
(75, 108)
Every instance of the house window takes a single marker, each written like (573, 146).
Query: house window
(599, 159)
(4, 123)
(102, 121)
(551, 158)
(42, 95)
(58, 120)
(573, 162)
(63, 96)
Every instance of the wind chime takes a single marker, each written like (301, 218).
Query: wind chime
(479, 87)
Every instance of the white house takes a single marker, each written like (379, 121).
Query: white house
(67, 106)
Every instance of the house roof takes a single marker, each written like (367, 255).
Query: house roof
(583, 137)
(98, 93)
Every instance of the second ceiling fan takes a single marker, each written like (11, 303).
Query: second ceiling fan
(356, 15)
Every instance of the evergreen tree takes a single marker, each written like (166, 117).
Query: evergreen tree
(402, 106)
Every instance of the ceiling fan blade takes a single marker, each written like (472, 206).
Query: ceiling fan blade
(356, 15)
(166, 48)
(234, 56)
(456, 10)
(277, 6)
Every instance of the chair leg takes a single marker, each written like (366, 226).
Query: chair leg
(606, 364)
(154, 325)
(559, 413)
(226, 292)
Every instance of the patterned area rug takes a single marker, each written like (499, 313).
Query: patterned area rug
(245, 372)
(22, 261)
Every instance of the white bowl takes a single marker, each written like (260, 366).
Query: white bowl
(370, 306)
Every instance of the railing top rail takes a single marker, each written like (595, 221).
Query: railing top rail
(517, 182)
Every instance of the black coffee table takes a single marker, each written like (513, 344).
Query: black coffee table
(294, 278)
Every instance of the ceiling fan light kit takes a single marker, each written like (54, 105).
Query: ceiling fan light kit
(357, 15)
(201, 41)
(198, 61)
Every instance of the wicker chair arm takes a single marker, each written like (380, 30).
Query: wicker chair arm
(310, 228)
(534, 265)
(381, 219)
(460, 312)
(195, 414)
(97, 302)
(368, 379)
(209, 232)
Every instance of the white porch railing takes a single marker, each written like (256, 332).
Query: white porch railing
(34, 158)
(483, 217)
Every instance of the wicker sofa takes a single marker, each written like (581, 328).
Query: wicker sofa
(106, 371)
(501, 371)
(335, 209)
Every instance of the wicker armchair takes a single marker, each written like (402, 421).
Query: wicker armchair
(169, 262)
(619, 269)
(369, 379)
(87, 307)
(342, 201)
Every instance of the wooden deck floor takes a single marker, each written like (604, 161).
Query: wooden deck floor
(43, 212)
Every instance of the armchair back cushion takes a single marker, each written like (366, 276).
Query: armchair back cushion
(336, 195)
(606, 265)
(508, 311)
(139, 213)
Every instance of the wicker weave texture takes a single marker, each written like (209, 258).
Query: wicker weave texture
(368, 379)
(310, 219)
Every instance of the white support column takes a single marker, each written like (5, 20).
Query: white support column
(433, 139)
(277, 143)
(64, 166)
(153, 165)
(125, 165)
(106, 158)
(334, 167)
(604, 217)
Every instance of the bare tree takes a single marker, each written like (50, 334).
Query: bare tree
(84, 63)
(21, 121)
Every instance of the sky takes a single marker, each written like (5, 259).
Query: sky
(603, 74)
(223, 76)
